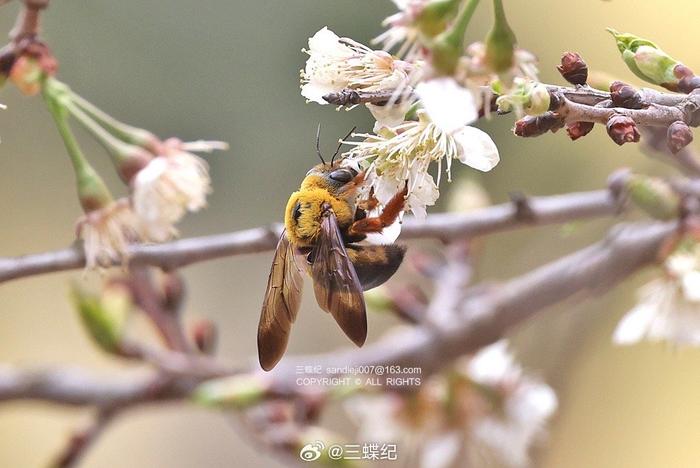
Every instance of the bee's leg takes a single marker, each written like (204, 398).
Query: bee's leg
(371, 202)
(388, 216)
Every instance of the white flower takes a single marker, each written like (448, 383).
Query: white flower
(171, 184)
(336, 63)
(403, 155)
(507, 435)
(108, 232)
(668, 307)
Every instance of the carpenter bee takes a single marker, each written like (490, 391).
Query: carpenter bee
(323, 224)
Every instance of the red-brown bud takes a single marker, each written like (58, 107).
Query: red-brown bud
(687, 80)
(622, 129)
(530, 126)
(573, 68)
(678, 136)
(624, 95)
(205, 335)
(577, 130)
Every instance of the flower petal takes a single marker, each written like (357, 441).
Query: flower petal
(476, 149)
(634, 325)
(388, 116)
(449, 105)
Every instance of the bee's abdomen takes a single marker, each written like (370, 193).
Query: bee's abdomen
(375, 264)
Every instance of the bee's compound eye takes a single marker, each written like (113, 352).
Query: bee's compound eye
(341, 175)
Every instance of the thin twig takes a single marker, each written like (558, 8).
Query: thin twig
(83, 439)
(177, 254)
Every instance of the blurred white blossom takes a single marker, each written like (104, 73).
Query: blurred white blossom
(171, 184)
(108, 232)
(402, 29)
(467, 195)
(403, 154)
(528, 404)
(669, 307)
(484, 412)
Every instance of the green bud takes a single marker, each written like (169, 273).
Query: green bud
(646, 60)
(448, 46)
(654, 196)
(434, 16)
(500, 41)
(104, 316)
(92, 191)
(238, 391)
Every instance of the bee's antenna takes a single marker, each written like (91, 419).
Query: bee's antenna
(318, 145)
(341, 144)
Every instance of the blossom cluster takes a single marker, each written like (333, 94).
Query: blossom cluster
(484, 410)
(424, 109)
(165, 179)
(173, 182)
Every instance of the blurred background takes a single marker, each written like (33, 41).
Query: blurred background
(229, 70)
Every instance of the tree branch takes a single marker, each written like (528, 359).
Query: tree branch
(483, 317)
(546, 210)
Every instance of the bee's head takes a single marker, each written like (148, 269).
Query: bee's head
(337, 177)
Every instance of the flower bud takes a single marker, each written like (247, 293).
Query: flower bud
(535, 126)
(205, 335)
(622, 129)
(646, 60)
(435, 15)
(573, 68)
(104, 316)
(654, 196)
(687, 81)
(500, 42)
(238, 391)
(678, 136)
(576, 130)
(448, 46)
(26, 74)
(624, 95)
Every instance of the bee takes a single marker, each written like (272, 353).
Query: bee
(323, 224)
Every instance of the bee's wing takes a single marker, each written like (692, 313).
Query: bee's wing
(280, 306)
(336, 285)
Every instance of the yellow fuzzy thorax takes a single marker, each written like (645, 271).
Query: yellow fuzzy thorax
(313, 193)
